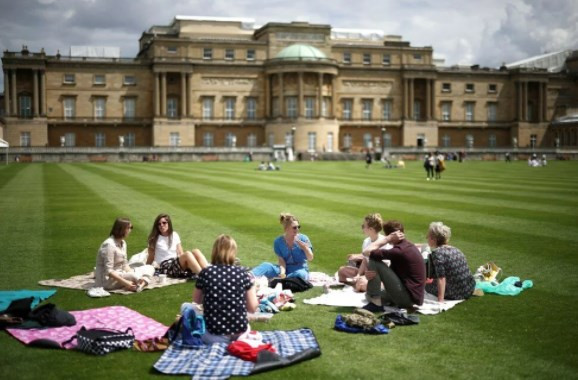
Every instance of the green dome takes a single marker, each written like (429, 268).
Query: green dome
(301, 52)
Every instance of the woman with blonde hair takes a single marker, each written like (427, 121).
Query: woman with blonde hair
(453, 279)
(293, 250)
(226, 292)
(165, 249)
(112, 269)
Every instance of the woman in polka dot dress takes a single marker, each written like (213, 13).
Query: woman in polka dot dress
(226, 292)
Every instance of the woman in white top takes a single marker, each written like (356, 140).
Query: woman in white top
(164, 249)
(354, 273)
(112, 269)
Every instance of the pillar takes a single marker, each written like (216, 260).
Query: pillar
(300, 99)
(525, 102)
(519, 86)
(281, 96)
(540, 102)
(545, 102)
(428, 99)
(157, 95)
(320, 96)
(267, 97)
(13, 94)
(42, 93)
(183, 95)
(7, 92)
(333, 98)
(411, 95)
(433, 99)
(405, 97)
(35, 103)
(164, 94)
(190, 94)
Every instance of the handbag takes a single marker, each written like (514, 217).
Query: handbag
(102, 341)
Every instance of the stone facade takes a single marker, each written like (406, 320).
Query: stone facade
(223, 83)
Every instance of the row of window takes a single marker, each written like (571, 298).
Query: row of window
(291, 106)
(229, 54)
(470, 88)
(98, 79)
(367, 58)
(99, 107)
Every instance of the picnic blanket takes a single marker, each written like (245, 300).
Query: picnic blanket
(347, 297)
(213, 361)
(323, 279)
(86, 281)
(110, 317)
(7, 296)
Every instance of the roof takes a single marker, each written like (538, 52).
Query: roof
(553, 62)
(301, 52)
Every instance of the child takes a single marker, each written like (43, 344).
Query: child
(226, 292)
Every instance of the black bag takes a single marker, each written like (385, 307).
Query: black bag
(102, 341)
(295, 284)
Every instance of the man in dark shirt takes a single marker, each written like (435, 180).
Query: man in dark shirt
(403, 280)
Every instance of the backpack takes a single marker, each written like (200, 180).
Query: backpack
(189, 329)
(102, 341)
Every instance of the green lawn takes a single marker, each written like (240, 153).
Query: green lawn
(53, 218)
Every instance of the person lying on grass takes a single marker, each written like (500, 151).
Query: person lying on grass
(293, 250)
(166, 251)
(112, 269)
(354, 273)
(227, 293)
(404, 280)
(453, 279)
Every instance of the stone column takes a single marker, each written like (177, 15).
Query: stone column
(267, 97)
(157, 96)
(183, 95)
(333, 97)
(320, 96)
(300, 98)
(281, 96)
(428, 99)
(545, 103)
(411, 95)
(7, 92)
(164, 94)
(35, 107)
(519, 87)
(42, 93)
(13, 93)
(190, 94)
(525, 104)
(405, 97)
(540, 102)
(433, 99)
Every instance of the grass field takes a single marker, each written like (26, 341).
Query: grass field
(53, 218)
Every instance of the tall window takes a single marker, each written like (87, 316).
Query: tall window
(174, 139)
(417, 110)
(367, 140)
(291, 106)
(534, 141)
(208, 139)
(251, 108)
(387, 140)
(129, 108)
(347, 57)
(446, 141)
(229, 54)
(446, 111)
(366, 58)
(329, 147)
(275, 106)
(325, 106)
(309, 107)
(492, 111)
(492, 141)
(347, 109)
(172, 107)
(207, 53)
(69, 104)
(25, 106)
(367, 108)
(99, 107)
(347, 140)
(289, 139)
(470, 111)
(208, 108)
(250, 54)
(252, 140)
(230, 108)
(129, 139)
(387, 109)
(70, 139)
(386, 59)
(25, 139)
(230, 140)
(271, 139)
(470, 141)
(311, 141)
(530, 111)
(99, 139)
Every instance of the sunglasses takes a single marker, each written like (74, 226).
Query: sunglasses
(296, 227)
(131, 227)
(163, 223)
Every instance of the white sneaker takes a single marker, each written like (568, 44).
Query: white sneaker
(97, 293)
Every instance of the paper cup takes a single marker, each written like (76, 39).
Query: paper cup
(162, 279)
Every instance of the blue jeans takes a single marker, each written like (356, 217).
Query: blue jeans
(273, 270)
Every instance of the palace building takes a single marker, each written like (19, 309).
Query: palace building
(222, 82)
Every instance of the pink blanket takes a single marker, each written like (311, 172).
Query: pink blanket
(111, 317)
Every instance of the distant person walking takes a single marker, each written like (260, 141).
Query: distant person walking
(508, 158)
(440, 165)
(368, 159)
(428, 164)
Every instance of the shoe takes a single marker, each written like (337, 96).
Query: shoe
(373, 308)
(97, 293)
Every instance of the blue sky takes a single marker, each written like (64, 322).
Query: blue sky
(485, 32)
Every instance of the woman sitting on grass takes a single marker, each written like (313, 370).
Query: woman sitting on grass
(453, 279)
(164, 249)
(226, 292)
(112, 269)
(293, 250)
(354, 273)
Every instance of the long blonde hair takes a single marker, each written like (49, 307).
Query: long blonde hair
(224, 250)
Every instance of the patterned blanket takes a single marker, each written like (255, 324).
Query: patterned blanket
(213, 361)
(111, 317)
(86, 281)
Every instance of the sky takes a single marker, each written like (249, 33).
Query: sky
(484, 32)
